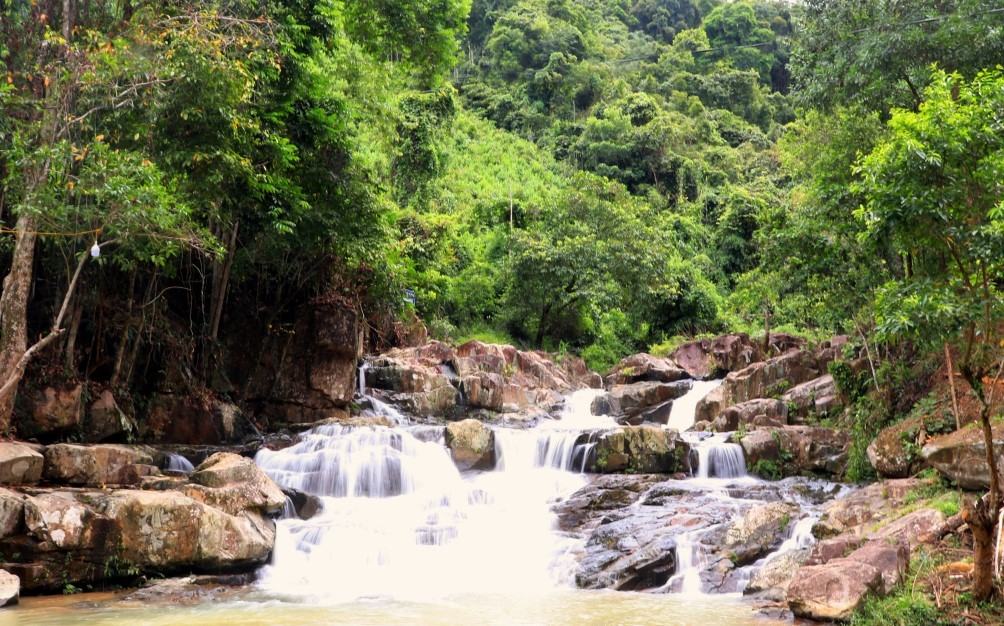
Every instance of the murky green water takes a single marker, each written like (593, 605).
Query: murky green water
(578, 608)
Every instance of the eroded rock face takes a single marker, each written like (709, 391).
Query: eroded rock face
(436, 380)
(98, 465)
(873, 502)
(961, 456)
(471, 444)
(641, 449)
(892, 560)
(798, 449)
(771, 581)
(11, 513)
(832, 591)
(19, 464)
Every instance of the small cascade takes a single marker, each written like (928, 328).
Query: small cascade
(178, 464)
(681, 415)
(716, 458)
(690, 560)
(362, 378)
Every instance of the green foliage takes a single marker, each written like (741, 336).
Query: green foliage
(900, 609)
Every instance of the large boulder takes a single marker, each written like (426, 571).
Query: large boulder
(19, 464)
(770, 378)
(98, 465)
(219, 523)
(892, 559)
(772, 579)
(10, 588)
(709, 406)
(712, 358)
(234, 484)
(757, 531)
(49, 413)
(644, 401)
(865, 506)
(909, 528)
(745, 415)
(11, 512)
(644, 368)
(961, 456)
(471, 444)
(198, 420)
(639, 449)
(165, 530)
(814, 398)
(832, 591)
(106, 421)
(796, 449)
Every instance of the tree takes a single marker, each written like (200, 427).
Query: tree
(877, 54)
(933, 190)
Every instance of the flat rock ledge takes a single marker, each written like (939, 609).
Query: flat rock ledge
(108, 514)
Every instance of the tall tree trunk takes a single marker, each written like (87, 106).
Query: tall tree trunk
(221, 280)
(14, 315)
(120, 350)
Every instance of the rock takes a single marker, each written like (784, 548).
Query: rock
(961, 456)
(711, 358)
(832, 591)
(606, 493)
(307, 371)
(196, 419)
(769, 378)
(640, 449)
(471, 444)
(892, 560)
(633, 403)
(19, 464)
(305, 505)
(910, 527)
(11, 513)
(895, 452)
(50, 413)
(165, 530)
(58, 520)
(833, 548)
(644, 368)
(709, 406)
(10, 588)
(742, 415)
(771, 581)
(864, 505)
(814, 398)
(780, 343)
(756, 531)
(105, 420)
(797, 449)
(234, 484)
(96, 465)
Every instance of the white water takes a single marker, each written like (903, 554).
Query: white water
(178, 463)
(681, 416)
(719, 459)
(690, 559)
(399, 521)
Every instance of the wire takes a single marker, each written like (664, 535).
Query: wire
(14, 231)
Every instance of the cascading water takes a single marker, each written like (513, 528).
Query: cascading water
(716, 458)
(177, 463)
(400, 521)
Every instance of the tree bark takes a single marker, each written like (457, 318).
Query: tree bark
(981, 521)
(14, 315)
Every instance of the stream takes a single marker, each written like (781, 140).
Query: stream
(403, 537)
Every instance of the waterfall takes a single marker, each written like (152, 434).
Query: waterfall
(716, 458)
(681, 415)
(177, 463)
(690, 558)
(362, 378)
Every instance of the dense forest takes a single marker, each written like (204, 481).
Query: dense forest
(597, 177)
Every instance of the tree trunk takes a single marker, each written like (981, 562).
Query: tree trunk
(120, 350)
(14, 315)
(981, 521)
